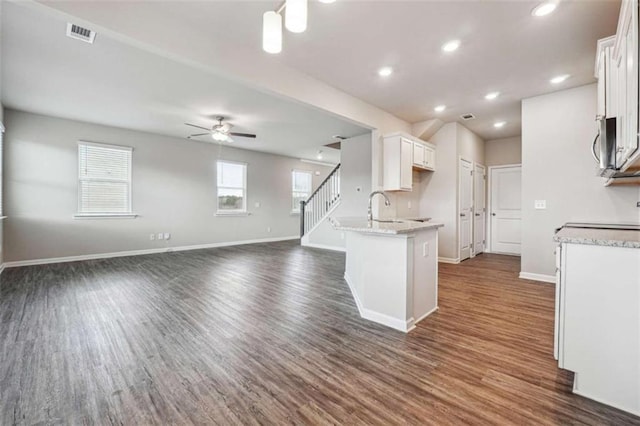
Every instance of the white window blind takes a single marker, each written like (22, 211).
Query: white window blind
(104, 179)
(232, 187)
(301, 188)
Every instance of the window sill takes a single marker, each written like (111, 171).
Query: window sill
(236, 214)
(3, 217)
(105, 216)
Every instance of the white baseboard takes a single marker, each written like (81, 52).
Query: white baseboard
(538, 277)
(324, 247)
(397, 324)
(425, 315)
(602, 401)
(19, 263)
(449, 260)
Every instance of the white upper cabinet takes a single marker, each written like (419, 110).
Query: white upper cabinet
(617, 73)
(402, 154)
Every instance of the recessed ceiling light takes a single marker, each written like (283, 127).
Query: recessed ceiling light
(545, 8)
(491, 96)
(440, 108)
(450, 46)
(559, 79)
(385, 71)
(499, 124)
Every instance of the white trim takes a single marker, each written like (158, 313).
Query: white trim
(319, 163)
(602, 401)
(425, 315)
(449, 260)
(19, 263)
(324, 246)
(2, 266)
(2, 129)
(538, 277)
(105, 216)
(105, 145)
(458, 209)
(232, 214)
(245, 189)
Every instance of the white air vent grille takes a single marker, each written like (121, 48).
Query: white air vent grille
(79, 33)
(468, 116)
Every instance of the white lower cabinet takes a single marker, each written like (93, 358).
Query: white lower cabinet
(598, 322)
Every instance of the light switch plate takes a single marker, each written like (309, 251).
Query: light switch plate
(540, 204)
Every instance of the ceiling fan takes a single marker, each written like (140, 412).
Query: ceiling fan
(220, 132)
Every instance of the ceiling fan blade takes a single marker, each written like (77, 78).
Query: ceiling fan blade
(198, 134)
(199, 127)
(243, 135)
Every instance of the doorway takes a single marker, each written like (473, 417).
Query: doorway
(505, 206)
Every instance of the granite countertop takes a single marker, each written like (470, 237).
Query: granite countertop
(399, 226)
(599, 237)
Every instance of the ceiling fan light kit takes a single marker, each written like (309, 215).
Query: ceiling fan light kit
(296, 15)
(272, 32)
(220, 132)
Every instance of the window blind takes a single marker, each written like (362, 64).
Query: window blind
(104, 185)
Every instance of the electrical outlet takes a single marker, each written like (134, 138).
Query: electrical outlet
(540, 204)
(257, 204)
(152, 237)
(268, 229)
(409, 204)
(160, 236)
(425, 249)
(167, 236)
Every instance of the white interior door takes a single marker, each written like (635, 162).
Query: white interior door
(506, 213)
(479, 211)
(465, 208)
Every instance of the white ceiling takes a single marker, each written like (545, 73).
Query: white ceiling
(116, 84)
(503, 48)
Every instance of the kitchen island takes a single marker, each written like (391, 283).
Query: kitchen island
(392, 269)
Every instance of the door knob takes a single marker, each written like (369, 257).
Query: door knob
(493, 214)
(477, 214)
(462, 215)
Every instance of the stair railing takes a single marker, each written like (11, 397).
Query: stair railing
(323, 199)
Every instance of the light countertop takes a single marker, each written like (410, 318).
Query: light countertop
(399, 226)
(599, 237)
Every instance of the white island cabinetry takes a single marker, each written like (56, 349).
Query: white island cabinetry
(392, 269)
(598, 314)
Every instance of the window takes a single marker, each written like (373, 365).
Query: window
(301, 188)
(104, 180)
(232, 187)
(1, 170)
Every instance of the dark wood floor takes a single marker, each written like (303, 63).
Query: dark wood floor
(269, 334)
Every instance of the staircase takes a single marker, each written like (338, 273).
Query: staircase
(323, 200)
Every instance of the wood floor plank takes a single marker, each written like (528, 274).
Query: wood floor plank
(270, 334)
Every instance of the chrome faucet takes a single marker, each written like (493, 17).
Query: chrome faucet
(386, 203)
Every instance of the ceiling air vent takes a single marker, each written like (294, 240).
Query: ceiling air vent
(79, 33)
(468, 116)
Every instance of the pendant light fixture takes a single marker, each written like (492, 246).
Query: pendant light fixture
(272, 32)
(295, 18)
(295, 21)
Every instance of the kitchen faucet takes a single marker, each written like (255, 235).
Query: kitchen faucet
(386, 203)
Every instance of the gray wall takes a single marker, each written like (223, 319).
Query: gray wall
(173, 190)
(355, 173)
(500, 152)
(557, 130)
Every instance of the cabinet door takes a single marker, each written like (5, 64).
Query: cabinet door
(627, 67)
(602, 86)
(429, 158)
(406, 163)
(621, 120)
(631, 63)
(418, 154)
